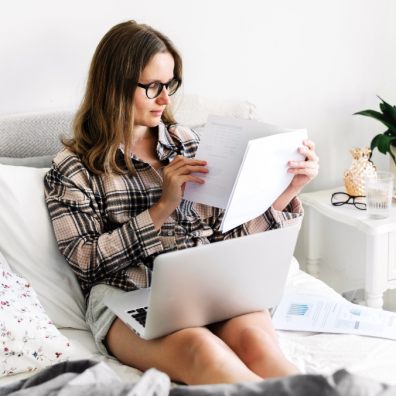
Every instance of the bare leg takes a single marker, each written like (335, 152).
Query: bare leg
(192, 356)
(253, 338)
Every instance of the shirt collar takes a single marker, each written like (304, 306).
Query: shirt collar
(167, 147)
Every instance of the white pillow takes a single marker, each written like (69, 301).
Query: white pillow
(28, 339)
(3, 263)
(28, 243)
(193, 110)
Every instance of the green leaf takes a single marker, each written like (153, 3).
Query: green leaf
(380, 117)
(388, 111)
(377, 142)
(372, 113)
(382, 143)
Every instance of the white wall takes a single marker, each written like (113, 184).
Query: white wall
(308, 63)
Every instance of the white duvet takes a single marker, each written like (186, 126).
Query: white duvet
(313, 353)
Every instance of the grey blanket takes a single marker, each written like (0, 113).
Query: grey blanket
(86, 378)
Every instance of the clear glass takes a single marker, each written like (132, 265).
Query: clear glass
(379, 191)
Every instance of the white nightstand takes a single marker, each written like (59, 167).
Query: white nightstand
(380, 242)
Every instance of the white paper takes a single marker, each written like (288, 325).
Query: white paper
(263, 176)
(222, 145)
(247, 162)
(304, 312)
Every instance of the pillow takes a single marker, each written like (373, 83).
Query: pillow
(193, 110)
(43, 161)
(28, 339)
(28, 243)
(3, 263)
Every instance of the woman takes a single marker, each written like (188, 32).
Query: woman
(115, 198)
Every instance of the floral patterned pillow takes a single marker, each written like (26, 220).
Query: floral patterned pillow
(28, 339)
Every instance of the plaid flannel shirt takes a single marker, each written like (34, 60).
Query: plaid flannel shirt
(103, 227)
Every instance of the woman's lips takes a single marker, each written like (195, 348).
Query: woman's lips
(157, 113)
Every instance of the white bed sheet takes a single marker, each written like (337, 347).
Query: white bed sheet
(313, 353)
(322, 353)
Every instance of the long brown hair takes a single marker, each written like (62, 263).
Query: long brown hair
(104, 119)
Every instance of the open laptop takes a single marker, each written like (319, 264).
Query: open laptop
(206, 284)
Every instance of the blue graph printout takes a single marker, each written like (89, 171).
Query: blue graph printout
(306, 312)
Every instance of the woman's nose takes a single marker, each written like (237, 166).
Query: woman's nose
(163, 97)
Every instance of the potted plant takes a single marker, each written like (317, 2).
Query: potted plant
(385, 142)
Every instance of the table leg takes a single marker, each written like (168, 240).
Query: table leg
(312, 242)
(376, 269)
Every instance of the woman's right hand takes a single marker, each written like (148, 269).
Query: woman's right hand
(175, 176)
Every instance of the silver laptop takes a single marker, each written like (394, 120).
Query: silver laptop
(209, 283)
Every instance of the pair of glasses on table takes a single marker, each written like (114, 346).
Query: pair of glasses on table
(342, 198)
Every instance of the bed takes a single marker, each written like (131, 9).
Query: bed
(29, 252)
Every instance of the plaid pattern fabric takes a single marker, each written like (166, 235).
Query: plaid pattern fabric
(103, 226)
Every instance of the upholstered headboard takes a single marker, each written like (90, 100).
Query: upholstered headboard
(32, 139)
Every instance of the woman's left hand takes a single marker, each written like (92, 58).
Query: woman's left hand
(304, 171)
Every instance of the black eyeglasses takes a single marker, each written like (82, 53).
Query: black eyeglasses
(342, 198)
(155, 88)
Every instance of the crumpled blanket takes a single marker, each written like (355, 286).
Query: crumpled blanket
(87, 377)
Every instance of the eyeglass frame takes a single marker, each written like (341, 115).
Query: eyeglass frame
(162, 85)
(350, 197)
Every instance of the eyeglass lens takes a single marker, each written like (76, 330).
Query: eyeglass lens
(155, 88)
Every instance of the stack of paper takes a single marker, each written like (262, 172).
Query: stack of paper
(247, 162)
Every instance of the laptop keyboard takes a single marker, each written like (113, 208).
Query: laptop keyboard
(139, 314)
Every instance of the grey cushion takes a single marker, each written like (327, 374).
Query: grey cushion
(33, 134)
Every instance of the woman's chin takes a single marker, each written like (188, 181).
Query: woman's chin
(154, 122)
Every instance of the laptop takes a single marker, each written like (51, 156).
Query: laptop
(209, 283)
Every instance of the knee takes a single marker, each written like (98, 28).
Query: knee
(254, 343)
(203, 348)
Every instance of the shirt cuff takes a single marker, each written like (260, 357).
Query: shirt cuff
(294, 210)
(145, 230)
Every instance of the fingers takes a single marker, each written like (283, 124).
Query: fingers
(175, 177)
(180, 162)
(193, 179)
(186, 170)
(311, 172)
(306, 168)
(311, 158)
(310, 144)
(184, 166)
(303, 164)
(309, 167)
(182, 170)
(309, 153)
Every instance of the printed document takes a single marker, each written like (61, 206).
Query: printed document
(304, 312)
(247, 163)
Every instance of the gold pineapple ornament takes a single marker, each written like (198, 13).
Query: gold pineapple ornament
(354, 177)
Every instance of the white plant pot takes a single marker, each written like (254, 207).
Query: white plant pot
(392, 168)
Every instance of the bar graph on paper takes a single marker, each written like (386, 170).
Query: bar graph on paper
(298, 309)
(305, 312)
